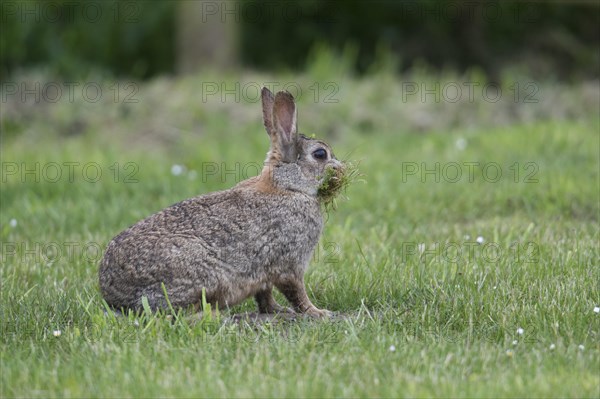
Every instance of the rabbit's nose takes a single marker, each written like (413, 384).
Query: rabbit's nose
(336, 164)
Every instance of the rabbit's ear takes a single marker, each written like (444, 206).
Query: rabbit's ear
(284, 124)
(267, 107)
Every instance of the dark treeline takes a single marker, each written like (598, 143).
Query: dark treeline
(143, 39)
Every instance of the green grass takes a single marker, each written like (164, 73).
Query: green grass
(387, 261)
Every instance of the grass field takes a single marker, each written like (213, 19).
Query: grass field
(465, 266)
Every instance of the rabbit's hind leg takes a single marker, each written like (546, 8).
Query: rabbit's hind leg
(267, 304)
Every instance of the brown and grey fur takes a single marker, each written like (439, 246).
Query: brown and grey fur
(237, 243)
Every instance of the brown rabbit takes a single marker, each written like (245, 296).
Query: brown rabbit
(236, 243)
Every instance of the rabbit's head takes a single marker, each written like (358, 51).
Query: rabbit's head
(294, 162)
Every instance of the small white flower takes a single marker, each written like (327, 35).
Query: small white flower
(461, 144)
(467, 237)
(520, 331)
(552, 347)
(13, 222)
(515, 342)
(581, 347)
(597, 309)
(480, 240)
(392, 348)
(56, 333)
(136, 323)
(509, 353)
(421, 247)
(495, 287)
(176, 170)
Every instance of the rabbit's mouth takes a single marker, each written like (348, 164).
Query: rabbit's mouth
(333, 181)
(336, 178)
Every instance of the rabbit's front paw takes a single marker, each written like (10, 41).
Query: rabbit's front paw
(279, 309)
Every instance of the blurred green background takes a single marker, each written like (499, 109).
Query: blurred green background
(142, 39)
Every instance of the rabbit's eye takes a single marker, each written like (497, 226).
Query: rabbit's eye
(320, 154)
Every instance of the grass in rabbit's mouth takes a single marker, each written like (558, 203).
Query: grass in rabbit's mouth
(337, 180)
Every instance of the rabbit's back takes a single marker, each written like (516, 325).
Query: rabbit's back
(232, 243)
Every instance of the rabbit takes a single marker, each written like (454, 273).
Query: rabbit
(234, 244)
